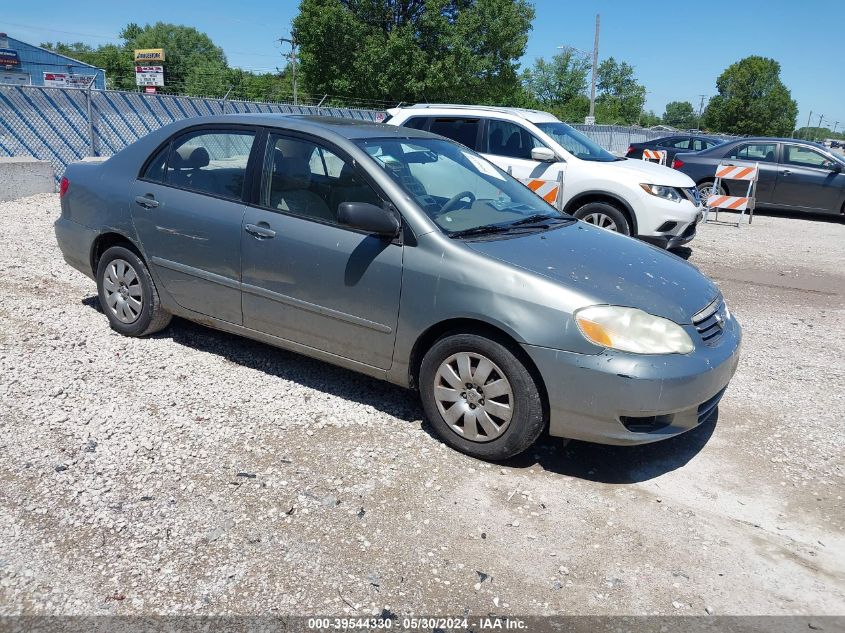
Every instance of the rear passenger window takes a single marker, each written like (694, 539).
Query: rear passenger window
(764, 152)
(417, 122)
(212, 162)
(464, 131)
(155, 168)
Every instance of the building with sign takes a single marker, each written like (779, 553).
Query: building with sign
(29, 65)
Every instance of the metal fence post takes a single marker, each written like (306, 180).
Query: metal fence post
(89, 111)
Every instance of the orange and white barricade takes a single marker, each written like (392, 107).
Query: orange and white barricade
(549, 190)
(655, 154)
(744, 173)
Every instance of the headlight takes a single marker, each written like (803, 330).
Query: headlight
(632, 330)
(661, 191)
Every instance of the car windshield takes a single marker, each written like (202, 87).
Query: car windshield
(576, 143)
(458, 189)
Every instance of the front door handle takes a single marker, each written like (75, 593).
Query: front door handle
(261, 232)
(148, 201)
(786, 172)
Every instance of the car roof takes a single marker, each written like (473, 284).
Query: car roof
(343, 127)
(534, 116)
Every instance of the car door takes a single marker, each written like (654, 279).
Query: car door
(762, 153)
(508, 145)
(188, 208)
(807, 180)
(306, 278)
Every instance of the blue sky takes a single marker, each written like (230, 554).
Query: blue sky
(678, 48)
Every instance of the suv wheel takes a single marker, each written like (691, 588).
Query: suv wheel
(128, 295)
(605, 216)
(480, 398)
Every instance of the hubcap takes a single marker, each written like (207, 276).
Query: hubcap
(601, 220)
(474, 396)
(122, 287)
(705, 191)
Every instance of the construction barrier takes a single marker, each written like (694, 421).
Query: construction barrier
(548, 190)
(742, 204)
(655, 154)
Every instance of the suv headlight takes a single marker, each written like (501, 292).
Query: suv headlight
(632, 330)
(662, 191)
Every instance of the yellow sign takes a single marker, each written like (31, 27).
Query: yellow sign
(149, 55)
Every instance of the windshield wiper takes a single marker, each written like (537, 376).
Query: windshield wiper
(482, 230)
(538, 218)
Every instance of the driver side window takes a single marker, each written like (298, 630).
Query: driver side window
(504, 138)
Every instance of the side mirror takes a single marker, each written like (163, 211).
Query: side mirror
(543, 154)
(836, 167)
(368, 217)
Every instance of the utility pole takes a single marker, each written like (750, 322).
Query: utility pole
(701, 110)
(292, 58)
(595, 69)
(808, 121)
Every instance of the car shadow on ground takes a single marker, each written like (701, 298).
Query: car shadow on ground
(593, 462)
(616, 464)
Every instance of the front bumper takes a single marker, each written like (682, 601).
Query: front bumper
(668, 224)
(619, 398)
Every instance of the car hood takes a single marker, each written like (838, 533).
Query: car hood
(608, 268)
(647, 172)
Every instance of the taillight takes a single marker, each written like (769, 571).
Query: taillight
(677, 164)
(64, 183)
(630, 149)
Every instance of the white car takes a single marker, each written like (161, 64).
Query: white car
(634, 197)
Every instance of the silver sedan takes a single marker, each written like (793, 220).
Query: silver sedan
(410, 258)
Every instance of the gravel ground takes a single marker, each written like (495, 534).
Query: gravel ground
(195, 472)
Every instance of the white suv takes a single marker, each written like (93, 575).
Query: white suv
(634, 197)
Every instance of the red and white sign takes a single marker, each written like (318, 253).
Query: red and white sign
(64, 80)
(149, 75)
(150, 89)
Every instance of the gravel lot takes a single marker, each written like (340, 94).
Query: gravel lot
(195, 472)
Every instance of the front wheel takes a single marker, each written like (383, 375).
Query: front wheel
(705, 190)
(128, 295)
(480, 398)
(605, 216)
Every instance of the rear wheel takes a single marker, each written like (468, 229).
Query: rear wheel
(605, 216)
(480, 398)
(128, 295)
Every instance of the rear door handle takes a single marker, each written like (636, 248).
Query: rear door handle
(261, 232)
(148, 201)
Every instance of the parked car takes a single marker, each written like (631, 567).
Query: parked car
(410, 258)
(632, 198)
(793, 174)
(674, 144)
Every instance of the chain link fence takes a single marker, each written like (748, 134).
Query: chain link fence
(63, 125)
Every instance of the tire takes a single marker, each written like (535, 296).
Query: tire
(123, 284)
(705, 187)
(604, 215)
(504, 424)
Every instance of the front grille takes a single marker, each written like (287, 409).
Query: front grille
(692, 195)
(710, 322)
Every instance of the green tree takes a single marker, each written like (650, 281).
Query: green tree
(680, 114)
(649, 119)
(620, 97)
(558, 81)
(752, 100)
(414, 50)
